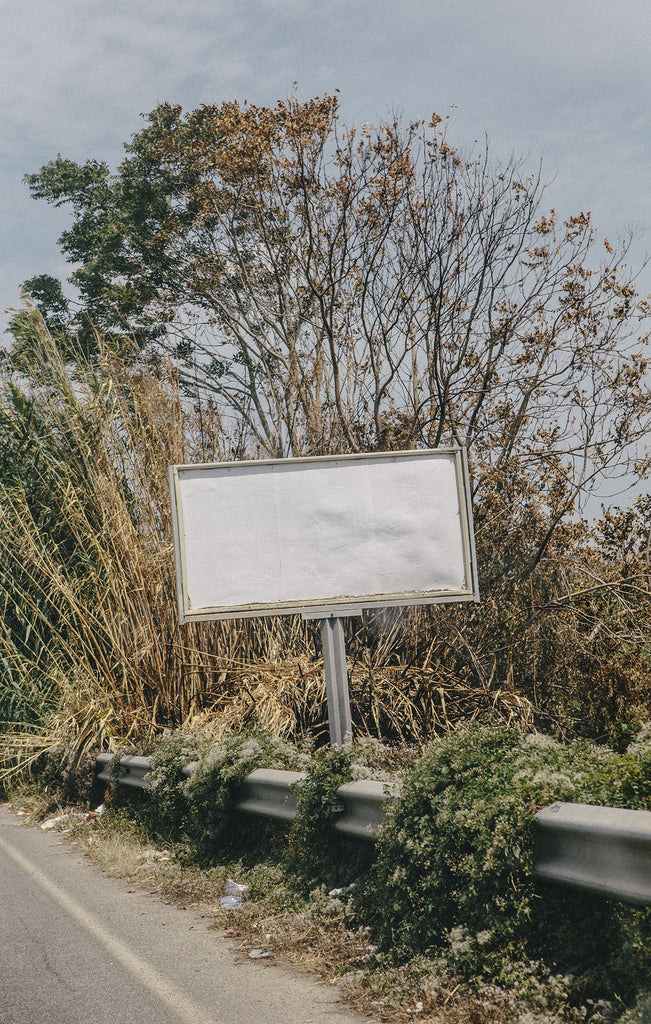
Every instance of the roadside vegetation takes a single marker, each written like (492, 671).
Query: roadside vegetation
(92, 656)
(261, 282)
(441, 919)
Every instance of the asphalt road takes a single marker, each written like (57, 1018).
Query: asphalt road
(77, 947)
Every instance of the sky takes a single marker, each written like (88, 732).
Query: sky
(565, 81)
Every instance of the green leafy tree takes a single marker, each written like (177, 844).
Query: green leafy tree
(337, 289)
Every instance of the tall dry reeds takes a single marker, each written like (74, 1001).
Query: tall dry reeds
(91, 652)
(90, 648)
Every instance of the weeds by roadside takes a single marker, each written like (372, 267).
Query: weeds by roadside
(91, 653)
(443, 921)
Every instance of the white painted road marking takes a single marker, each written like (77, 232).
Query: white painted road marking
(184, 1008)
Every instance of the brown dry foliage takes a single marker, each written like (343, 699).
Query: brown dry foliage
(100, 641)
(323, 290)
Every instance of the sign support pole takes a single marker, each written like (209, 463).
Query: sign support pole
(336, 677)
(333, 643)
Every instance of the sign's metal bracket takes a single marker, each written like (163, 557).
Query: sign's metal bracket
(331, 613)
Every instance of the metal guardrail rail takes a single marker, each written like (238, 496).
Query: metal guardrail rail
(268, 793)
(364, 807)
(604, 850)
(130, 771)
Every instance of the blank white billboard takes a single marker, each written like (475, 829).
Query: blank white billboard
(286, 536)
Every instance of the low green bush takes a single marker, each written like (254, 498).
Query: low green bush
(168, 807)
(316, 855)
(450, 882)
(453, 875)
(214, 824)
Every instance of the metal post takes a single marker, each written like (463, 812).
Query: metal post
(336, 677)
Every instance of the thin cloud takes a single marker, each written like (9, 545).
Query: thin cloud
(565, 80)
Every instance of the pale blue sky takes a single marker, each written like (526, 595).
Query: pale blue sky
(565, 80)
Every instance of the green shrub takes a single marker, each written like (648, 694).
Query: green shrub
(316, 854)
(453, 875)
(168, 809)
(314, 850)
(65, 783)
(450, 884)
(214, 824)
(636, 785)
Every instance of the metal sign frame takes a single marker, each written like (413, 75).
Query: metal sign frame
(332, 610)
(323, 607)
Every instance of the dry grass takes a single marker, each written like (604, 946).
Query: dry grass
(88, 579)
(21, 747)
(90, 625)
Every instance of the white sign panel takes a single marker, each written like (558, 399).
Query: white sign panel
(283, 536)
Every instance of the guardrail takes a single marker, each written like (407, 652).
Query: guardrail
(364, 807)
(604, 850)
(269, 793)
(131, 770)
